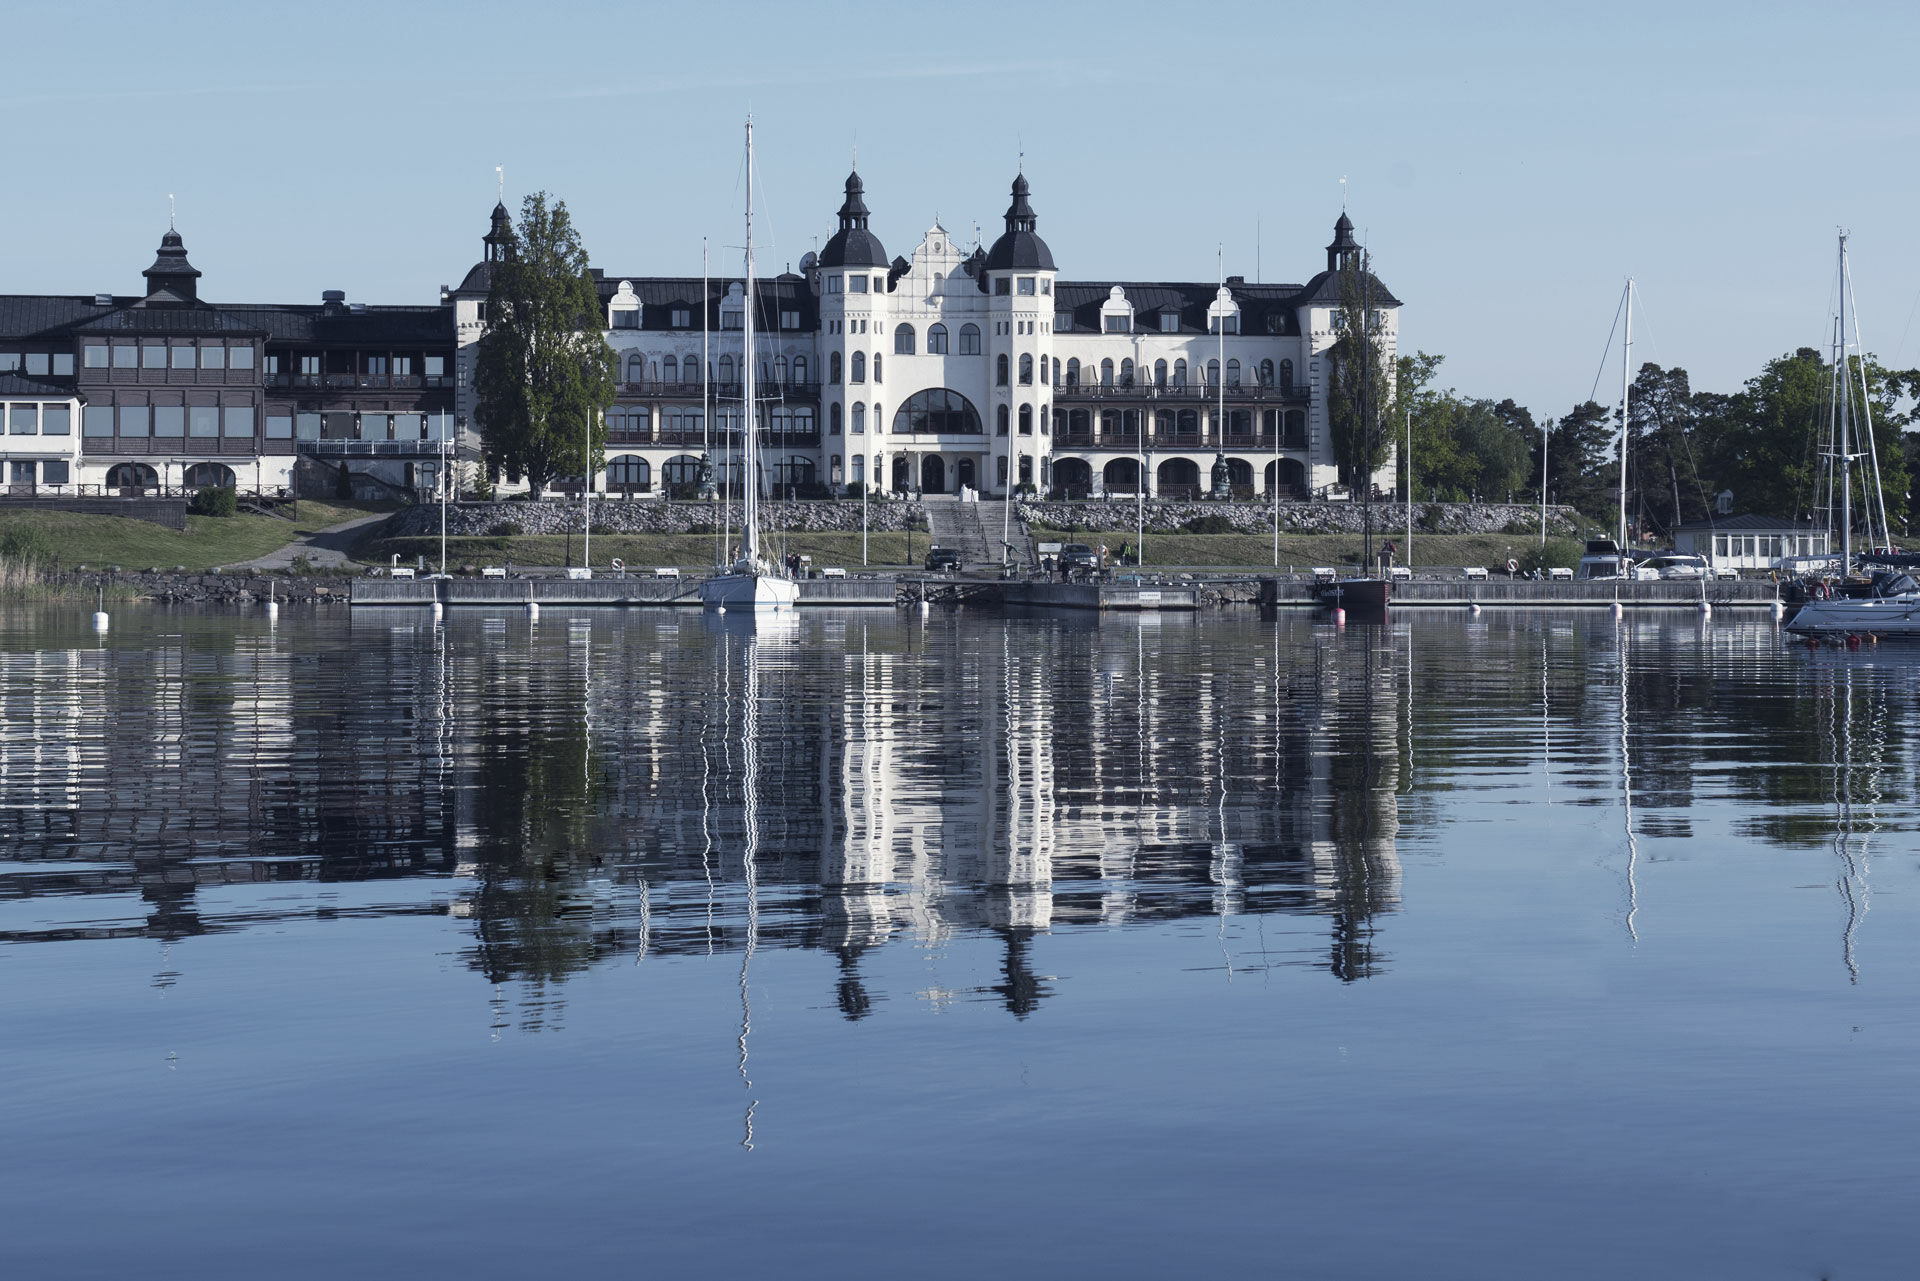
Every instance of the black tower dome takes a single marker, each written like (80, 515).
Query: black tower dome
(1020, 247)
(499, 237)
(853, 245)
(171, 273)
(1343, 243)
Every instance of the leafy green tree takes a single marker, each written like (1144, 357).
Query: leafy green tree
(1362, 393)
(1664, 485)
(545, 374)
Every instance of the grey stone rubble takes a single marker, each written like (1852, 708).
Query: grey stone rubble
(615, 515)
(1302, 518)
(216, 588)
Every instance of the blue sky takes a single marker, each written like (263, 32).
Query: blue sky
(1508, 165)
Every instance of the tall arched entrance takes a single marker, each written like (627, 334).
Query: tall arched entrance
(933, 475)
(963, 474)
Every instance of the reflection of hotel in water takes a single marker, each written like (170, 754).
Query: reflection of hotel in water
(919, 783)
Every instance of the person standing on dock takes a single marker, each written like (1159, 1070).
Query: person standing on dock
(1386, 557)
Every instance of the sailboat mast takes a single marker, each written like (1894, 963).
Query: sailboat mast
(750, 520)
(1842, 383)
(1626, 392)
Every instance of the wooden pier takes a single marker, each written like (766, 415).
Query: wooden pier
(1297, 591)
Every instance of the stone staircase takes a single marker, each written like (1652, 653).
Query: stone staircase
(973, 530)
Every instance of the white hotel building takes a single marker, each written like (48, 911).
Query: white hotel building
(952, 370)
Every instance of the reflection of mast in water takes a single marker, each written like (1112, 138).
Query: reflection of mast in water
(1855, 891)
(750, 818)
(1626, 795)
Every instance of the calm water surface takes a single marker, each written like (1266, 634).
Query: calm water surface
(865, 944)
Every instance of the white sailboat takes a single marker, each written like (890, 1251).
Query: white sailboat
(1888, 604)
(751, 582)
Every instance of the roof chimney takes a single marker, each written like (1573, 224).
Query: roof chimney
(333, 301)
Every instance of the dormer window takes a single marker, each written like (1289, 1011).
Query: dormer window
(1117, 324)
(1233, 324)
(733, 319)
(789, 320)
(1169, 322)
(682, 318)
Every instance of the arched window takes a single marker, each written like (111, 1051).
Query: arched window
(1233, 373)
(1179, 373)
(1000, 370)
(937, 341)
(937, 410)
(726, 370)
(1106, 373)
(671, 368)
(1026, 420)
(1073, 371)
(1045, 364)
(681, 469)
(858, 372)
(1160, 373)
(876, 366)
(1286, 375)
(629, 473)
(1000, 418)
(780, 370)
(636, 369)
(903, 340)
(833, 368)
(1266, 373)
(1126, 372)
(1213, 373)
(1026, 369)
(969, 340)
(859, 419)
(1189, 423)
(833, 419)
(1044, 416)
(208, 475)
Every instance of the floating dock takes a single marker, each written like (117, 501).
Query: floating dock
(510, 593)
(1297, 590)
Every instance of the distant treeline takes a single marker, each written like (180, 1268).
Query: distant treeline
(1765, 443)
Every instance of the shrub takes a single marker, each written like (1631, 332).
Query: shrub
(504, 529)
(28, 546)
(1561, 553)
(214, 502)
(855, 488)
(1208, 525)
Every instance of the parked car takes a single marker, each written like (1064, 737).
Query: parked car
(942, 558)
(1079, 556)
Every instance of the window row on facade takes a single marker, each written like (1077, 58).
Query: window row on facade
(178, 353)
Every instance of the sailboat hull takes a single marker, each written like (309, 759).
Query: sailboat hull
(749, 592)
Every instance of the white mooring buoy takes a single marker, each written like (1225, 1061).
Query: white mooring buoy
(437, 611)
(1616, 610)
(1339, 616)
(1473, 608)
(1706, 607)
(1779, 611)
(533, 609)
(100, 611)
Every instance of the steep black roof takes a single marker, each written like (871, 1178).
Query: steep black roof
(659, 295)
(1325, 288)
(853, 245)
(424, 326)
(48, 317)
(186, 318)
(15, 386)
(1020, 247)
(1264, 309)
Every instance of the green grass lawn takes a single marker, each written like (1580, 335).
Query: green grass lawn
(209, 541)
(696, 551)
